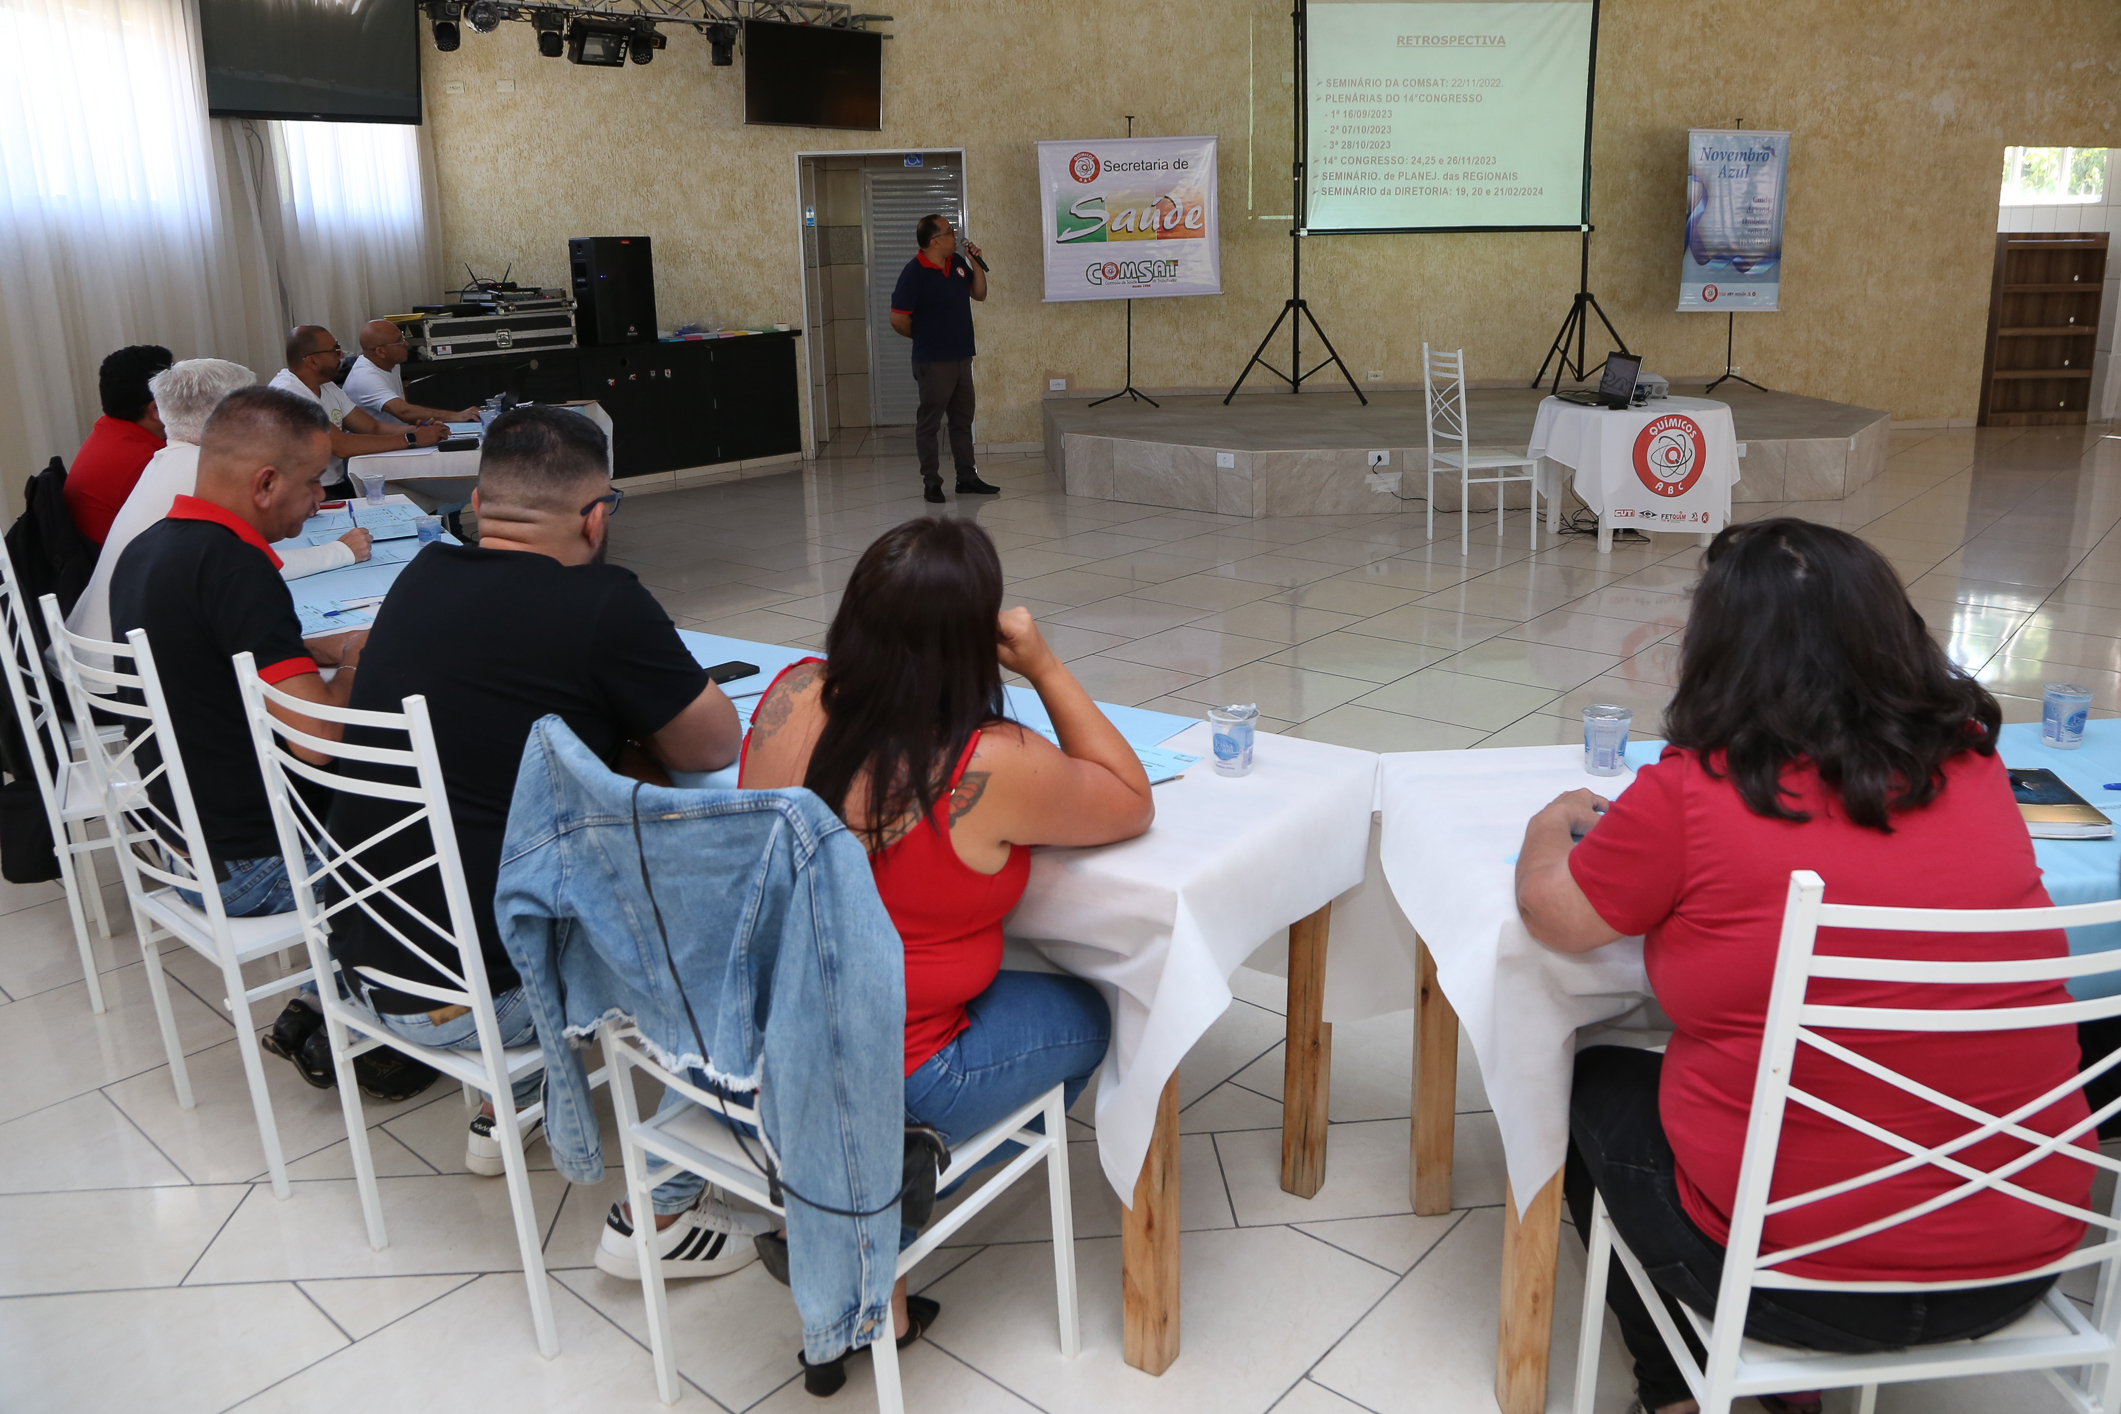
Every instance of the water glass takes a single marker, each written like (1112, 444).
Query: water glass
(371, 488)
(429, 528)
(1605, 739)
(2063, 709)
(1233, 727)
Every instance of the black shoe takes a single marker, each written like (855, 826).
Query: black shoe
(934, 494)
(773, 1255)
(969, 484)
(389, 1075)
(824, 1379)
(290, 1038)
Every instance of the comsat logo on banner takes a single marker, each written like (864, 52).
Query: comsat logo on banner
(1130, 272)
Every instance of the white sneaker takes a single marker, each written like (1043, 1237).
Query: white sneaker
(482, 1152)
(709, 1239)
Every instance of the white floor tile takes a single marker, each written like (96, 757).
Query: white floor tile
(108, 1238)
(1396, 1242)
(1024, 1214)
(52, 1047)
(85, 1142)
(175, 1350)
(361, 1306)
(1309, 1398)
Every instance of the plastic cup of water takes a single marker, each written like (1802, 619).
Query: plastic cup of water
(1605, 739)
(1232, 743)
(371, 488)
(429, 528)
(2063, 708)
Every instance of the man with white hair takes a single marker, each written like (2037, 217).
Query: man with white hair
(186, 394)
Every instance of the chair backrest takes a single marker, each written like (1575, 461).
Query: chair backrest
(1794, 1020)
(333, 877)
(119, 680)
(42, 733)
(1443, 386)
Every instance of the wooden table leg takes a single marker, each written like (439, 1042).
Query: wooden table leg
(1307, 1070)
(1525, 1335)
(1435, 1088)
(1148, 1247)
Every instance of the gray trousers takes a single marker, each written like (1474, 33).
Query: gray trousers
(946, 389)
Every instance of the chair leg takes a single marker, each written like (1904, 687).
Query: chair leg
(1502, 501)
(1867, 1399)
(516, 1171)
(254, 1073)
(471, 1096)
(85, 864)
(1465, 515)
(158, 988)
(1429, 505)
(70, 880)
(1057, 1189)
(1590, 1336)
(890, 1398)
(628, 1114)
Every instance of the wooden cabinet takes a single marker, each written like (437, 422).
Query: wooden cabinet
(2043, 326)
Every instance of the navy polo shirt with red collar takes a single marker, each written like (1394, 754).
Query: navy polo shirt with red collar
(206, 586)
(939, 297)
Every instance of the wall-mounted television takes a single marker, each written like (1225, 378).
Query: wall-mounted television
(334, 61)
(809, 76)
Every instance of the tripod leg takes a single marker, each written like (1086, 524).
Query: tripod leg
(1560, 347)
(1256, 360)
(1334, 355)
(1593, 301)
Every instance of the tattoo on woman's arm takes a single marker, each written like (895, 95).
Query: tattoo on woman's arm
(774, 712)
(966, 794)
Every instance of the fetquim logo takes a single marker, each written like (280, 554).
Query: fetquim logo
(1083, 167)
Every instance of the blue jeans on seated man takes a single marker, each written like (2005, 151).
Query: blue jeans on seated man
(1029, 1032)
(461, 1033)
(253, 888)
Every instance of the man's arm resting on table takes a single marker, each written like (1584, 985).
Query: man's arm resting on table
(363, 436)
(413, 412)
(1552, 903)
(704, 737)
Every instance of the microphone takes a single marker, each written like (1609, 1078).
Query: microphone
(984, 267)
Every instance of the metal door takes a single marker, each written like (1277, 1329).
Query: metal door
(893, 201)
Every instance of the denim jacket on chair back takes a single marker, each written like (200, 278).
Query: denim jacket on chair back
(794, 974)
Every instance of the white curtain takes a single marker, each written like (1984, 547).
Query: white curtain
(127, 217)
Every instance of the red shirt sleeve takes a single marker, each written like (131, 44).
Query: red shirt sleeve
(286, 668)
(1633, 862)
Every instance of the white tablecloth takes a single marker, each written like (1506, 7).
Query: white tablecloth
(429, 464)
(1667, 466)
(1161, 922)
(1453, 822)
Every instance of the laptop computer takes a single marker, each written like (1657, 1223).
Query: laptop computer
(1616, 386)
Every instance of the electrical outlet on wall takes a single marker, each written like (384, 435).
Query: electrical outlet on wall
(1380, 459)
(1056, 385)
(1226, 459)
(453, 86)
(504, 85)
(1377, 375)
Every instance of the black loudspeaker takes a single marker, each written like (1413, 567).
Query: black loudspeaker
(614, 290)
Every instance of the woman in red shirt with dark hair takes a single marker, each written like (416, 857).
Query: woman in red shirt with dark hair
(901, 729)
(1816, 726)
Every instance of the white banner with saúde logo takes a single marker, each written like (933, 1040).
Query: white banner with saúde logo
(1129, 218)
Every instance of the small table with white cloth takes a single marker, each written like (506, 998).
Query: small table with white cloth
(1160, 923)
(445, 477)
(1668, 466)
(1453, 824)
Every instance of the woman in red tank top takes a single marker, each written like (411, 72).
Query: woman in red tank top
(901, 730)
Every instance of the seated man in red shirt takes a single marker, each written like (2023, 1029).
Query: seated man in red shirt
(118, 446)
(1816, 725)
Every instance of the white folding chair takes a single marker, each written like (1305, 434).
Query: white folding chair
(2075, 1353)
(71, 804)
(696, 1141)
(160, 855)
(339, 881)
(1443, 381)
(450, 946)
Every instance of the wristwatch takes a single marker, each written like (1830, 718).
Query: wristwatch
(412, 438)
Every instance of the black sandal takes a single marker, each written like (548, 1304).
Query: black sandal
(824, 1379)
(1808, 1402)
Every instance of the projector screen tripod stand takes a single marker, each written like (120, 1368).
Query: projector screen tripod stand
(1577, 326)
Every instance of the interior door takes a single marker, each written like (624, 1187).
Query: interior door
(893, 201)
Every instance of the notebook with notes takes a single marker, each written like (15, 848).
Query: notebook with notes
(2053, 811)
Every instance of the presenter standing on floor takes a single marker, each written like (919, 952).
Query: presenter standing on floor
(932, 306)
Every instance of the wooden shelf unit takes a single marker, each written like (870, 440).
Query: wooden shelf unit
(2043, 311)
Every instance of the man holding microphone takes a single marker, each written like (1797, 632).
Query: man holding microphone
(932, 305)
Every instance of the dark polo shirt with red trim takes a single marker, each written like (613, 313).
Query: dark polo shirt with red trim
(206, 586)
(939, 297)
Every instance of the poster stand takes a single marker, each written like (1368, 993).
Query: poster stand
(1730, 374)
(1129, 391)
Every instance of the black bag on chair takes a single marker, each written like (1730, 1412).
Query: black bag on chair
(51, 554)
(26, 852)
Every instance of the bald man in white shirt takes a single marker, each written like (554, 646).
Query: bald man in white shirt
(376, 385)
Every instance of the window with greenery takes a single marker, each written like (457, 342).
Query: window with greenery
(2042, 176)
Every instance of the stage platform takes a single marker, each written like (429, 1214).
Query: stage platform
(1308, 454)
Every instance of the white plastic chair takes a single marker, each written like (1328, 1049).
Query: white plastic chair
(2077, 1355)
(96, 673)
(340, 881)
(697, 1142)
(71, 803)
(1443, 381)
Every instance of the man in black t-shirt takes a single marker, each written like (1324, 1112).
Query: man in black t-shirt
(528, 623)
(205, 585)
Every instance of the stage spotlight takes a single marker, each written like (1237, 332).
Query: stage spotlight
(598, 43)
(646, 40)
(552, 37)
(485, 16)
(444, 14)
(722, 39)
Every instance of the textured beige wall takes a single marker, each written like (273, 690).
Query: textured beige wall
(1900, 111)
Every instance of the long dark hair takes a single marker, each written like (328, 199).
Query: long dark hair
(1802, 644)
(910, 670)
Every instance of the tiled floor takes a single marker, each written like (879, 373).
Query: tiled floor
(144, 1266)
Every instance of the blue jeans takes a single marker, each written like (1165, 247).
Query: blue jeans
(1030, 1031)
(254, 888)
(511, 1009)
